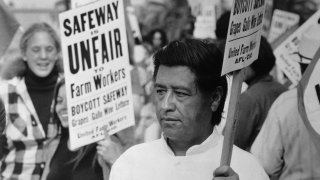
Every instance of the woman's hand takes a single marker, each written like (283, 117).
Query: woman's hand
(109, 150)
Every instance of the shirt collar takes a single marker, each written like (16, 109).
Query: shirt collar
(210, 142)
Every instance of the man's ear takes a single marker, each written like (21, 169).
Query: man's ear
(216, 98)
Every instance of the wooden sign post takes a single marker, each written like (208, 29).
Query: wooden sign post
(242, 48)
(231, 117)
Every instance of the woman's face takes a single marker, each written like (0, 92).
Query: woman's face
(41, 54)
(157, 40)
(61, 106)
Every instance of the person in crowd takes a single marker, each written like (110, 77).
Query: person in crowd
(27, 98)
(189, 97)
(89, 162)
(148, 128)
(157, 38)
(288, 146)
(222, 30)
(2, 124)
(255, 102)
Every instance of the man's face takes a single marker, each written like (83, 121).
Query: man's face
(183, 112)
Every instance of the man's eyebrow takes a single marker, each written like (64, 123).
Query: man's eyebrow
(159, 85)
(177, 87)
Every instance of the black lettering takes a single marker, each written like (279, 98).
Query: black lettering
(66, 25)
(242, 6)
(72, 90)
(83, 21)
(115, 7)
(85, 54)
(123, 73)
(109, 14)
(74, 68)
(117, 41)
(111, 77)
(118, 93)
(95, 50)
(104, 51)
(76, 26)
(97, 81)
(100, 14)
(236, 7)
(91, 24)
(110, 41)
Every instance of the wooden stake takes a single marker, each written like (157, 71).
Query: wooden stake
(231, 117)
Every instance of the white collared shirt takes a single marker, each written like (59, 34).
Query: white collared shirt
(155, 160)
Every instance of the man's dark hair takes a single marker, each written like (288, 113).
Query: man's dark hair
(222, 25)
(266, 59)
(203, 59)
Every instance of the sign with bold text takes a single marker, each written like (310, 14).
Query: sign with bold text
(281, 22)
(96, 65)
(298, 48)
(244, 33)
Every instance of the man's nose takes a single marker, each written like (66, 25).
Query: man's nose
(168, 103)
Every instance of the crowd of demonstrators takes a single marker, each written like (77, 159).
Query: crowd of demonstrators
(27, 98)
(85, 162)
(262, 90)
(34, 141)
(189, 99)
(288, 146)
(178, 97)
(148, 128)
(142, 77)
(155, 40)
(255, 102)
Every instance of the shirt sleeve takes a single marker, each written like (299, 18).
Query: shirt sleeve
(122, 168)
(268, 146)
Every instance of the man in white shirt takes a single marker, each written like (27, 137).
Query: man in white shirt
(189, 97)
(288, 145)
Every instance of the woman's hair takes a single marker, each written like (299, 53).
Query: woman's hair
(15, 66)
(164, 39)
(38, 27)
(80, 152)
(53, 113)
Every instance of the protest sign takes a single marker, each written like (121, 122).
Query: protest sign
(281, 22)
(299, 47)
(244, 33)
(96, 64)
(242, 48)
(134, 24)
(206, 16)
(309, 97)
(267, 18)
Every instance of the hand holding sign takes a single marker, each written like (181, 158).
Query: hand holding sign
(109, 150)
